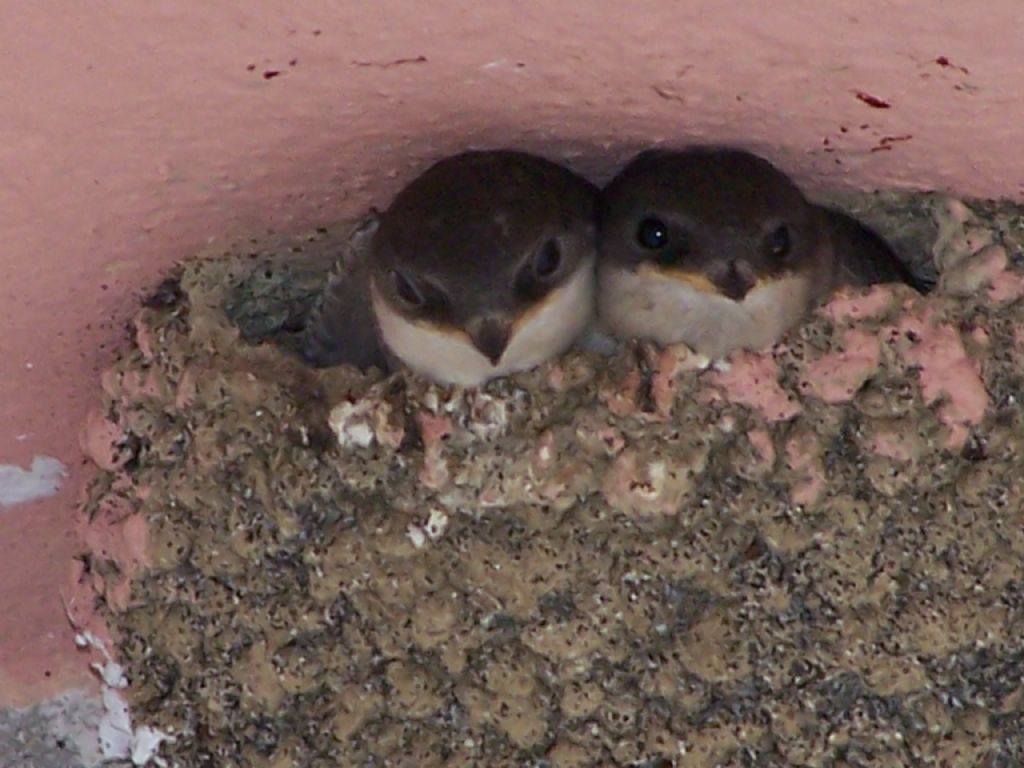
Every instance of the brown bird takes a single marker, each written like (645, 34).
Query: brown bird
(719, 249)
(482, 266)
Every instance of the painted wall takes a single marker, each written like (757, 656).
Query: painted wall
(132, 133)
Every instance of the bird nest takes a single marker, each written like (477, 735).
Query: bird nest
(812, 555)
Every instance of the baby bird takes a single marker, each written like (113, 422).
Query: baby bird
(720, 250)
(482, 266)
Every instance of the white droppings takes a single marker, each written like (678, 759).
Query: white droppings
(117, 739)
(146, 742)
(416, 536)
(115, 726)
(18, 485)
(111, 673)
(433, 528)
(437, 524)
(351, 423)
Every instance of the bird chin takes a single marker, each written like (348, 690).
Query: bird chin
(449, 357)
(445, 356)
(669, 311)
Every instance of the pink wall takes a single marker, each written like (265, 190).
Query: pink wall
(133, 132)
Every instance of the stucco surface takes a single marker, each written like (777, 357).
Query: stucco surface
(134, 133)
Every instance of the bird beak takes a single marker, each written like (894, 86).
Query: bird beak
(736, 280)
(491, 336)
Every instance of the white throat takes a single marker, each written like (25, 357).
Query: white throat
(449, 358)
(646, 305)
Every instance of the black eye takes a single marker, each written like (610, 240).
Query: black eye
(547, 260)
(407, 290)
(652, 233)
(778, 242)
(681, 250)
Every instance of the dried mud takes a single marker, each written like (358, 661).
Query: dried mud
(812, 556)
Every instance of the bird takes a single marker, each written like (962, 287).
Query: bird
(717, 248)
(482, 266)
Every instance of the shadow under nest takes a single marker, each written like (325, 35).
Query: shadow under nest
(606, 561)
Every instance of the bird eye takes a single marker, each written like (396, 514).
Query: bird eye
(652, 233)
(547, 260)
(407, 290)
(779, 242)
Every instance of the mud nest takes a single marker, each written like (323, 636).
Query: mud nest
(811, 556)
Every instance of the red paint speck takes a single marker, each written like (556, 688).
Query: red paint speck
(392, 63)
(872, 101)
(270, 74)
(886, 142)
(943, 61)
